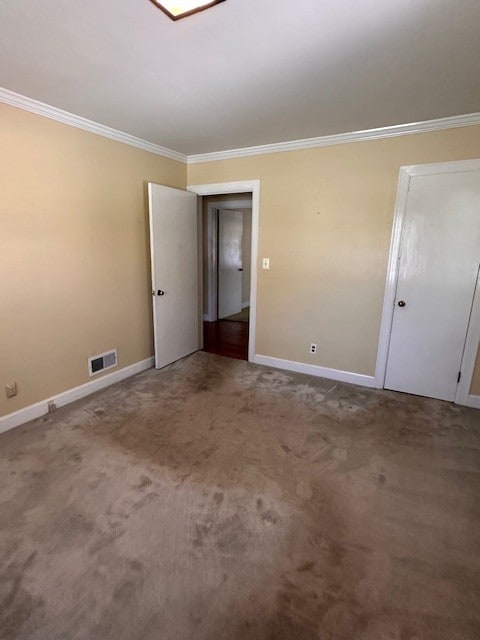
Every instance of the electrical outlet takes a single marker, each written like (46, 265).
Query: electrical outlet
(11, 390)
(51, 406)
(313, 347)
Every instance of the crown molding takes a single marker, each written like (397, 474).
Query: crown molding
(341, 138)
(34, 106)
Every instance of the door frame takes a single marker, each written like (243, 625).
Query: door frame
(473, 334)
(246, 186)
(212, 257)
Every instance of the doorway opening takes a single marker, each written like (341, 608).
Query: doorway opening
(175, 219)
(245, 189)
(227, 248)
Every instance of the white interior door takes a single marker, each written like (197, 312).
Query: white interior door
(438, 269)
(174, 253)
(230, 276)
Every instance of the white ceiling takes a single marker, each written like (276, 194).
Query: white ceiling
(247, 72)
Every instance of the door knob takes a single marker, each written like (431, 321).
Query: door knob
(401, 303)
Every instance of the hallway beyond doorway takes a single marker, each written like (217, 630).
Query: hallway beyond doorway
(242, 316)
(226, 338)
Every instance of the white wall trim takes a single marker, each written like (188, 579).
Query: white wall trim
(35, 106)
(253, 187)
(341, 138)
(232, 205)
(40, 108)
(39, 409)
(315, 370)
(473, 401)
(470, 350)
(473, 336)
(436, 168)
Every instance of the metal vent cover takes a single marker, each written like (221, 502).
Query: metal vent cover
(102, 361)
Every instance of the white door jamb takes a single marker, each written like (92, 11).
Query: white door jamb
(247, 186)
(470, 351)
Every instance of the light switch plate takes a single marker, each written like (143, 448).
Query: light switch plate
(266, 263)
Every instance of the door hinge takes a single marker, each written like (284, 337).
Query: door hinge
(459, 376)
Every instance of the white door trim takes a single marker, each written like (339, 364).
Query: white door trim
(471, 348)
(253, 187)
(212, 209)
(470, 354)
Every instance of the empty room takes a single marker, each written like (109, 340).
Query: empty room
(240, 320)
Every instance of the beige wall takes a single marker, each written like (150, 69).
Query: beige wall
(325, 223)
(74, 253)
(74, 257)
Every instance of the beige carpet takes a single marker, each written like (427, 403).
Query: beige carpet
(219, 500)
(241, 316)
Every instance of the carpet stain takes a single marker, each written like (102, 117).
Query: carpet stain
(219, 499)
(304, 490)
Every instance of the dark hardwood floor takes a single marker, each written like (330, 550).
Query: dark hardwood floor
(226, 338)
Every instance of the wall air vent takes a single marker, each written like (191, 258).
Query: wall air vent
(101, 362)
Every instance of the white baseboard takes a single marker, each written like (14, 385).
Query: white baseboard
(39, 409)
(315, 370)
(245, 304)
(473, 401)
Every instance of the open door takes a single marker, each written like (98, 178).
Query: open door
(174, 258)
